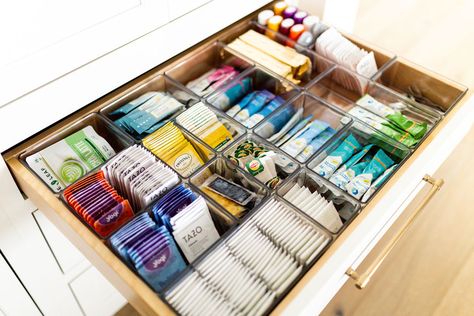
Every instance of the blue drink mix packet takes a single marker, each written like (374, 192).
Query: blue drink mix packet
(315, 144)
(277, 121)
(242, 104)
(150, 249)
(232, 94)
(255, 105)
(269, 108)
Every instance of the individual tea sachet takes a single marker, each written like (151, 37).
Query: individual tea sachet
(203, 123)
(150, 250)
(139, 176)
(187, 216)
(98, 203)
(416, 129)
(338, 156)
(170, 145)
(149, 115)
(361, 183)
(67, 160)
(316, 206)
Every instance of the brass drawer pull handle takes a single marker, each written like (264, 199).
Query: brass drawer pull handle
(361, 280)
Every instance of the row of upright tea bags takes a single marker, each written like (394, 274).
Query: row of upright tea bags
(246, 273)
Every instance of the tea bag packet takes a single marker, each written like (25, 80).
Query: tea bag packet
(132, 105)
(377, 183)
(170, 145)
(376, 167)
(203, 123)
(233, 197)
(150, 250)
(332, 45)
(351, 168)
(415, 129)
(232, 94)
(337, 157)
(284, 61)
(194, 229)
(187, 216)
(316, 206)
(149, 115)
(67, 160)
(139, 176)
(258, 161)
(208, 82)
(383, 126)
(98, 203)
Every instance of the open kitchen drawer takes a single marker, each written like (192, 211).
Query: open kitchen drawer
(447, 108)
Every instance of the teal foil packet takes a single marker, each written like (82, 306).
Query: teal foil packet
(377, 183)
(342, 153)
(361, 183)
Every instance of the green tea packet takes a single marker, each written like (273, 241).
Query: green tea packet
(67, 160)
(415, 129)
(384, 126)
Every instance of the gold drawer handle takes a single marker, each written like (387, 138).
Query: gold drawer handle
(361, 280)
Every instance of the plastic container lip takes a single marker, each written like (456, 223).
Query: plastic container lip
(307, 173)
(324, 151)
(223, 118)
(119, 142)
(351, 96)
(304, 94)
(234, 230)
(265, 192)
(201, 57)
(193, 140)
(426, 77)
(247, 73)
(257, 139)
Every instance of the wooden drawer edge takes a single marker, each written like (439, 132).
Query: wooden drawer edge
(129, 285)
(367, 210)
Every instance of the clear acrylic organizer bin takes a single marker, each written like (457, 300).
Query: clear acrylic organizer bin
(311, 105)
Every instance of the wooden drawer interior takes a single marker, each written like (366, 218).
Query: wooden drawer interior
(438, 94)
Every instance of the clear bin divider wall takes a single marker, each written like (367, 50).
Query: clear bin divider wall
(428, 89)
(190, 72)
(159, 83)
(314, 116)
(117, 139)
(346, 206)
(284, 165)
(258, 79)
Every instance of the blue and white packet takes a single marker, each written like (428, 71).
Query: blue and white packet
(232, 94)
(277, 121)
(342, 153)
(294, 146)
(269, 108)
(361, 183)
(315, 144)
(254, 106)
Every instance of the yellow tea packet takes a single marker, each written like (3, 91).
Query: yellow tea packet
(232, 207)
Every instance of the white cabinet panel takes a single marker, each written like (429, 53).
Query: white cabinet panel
(95, 294)
(14, 300)
(178, 8)
(65, 253)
